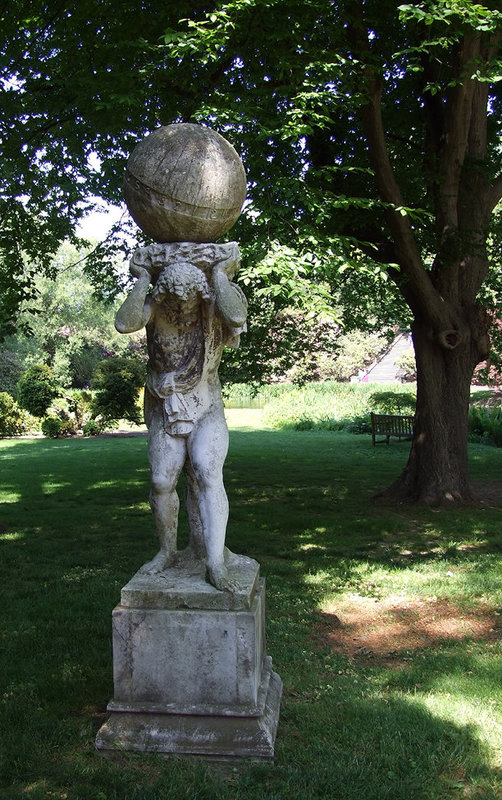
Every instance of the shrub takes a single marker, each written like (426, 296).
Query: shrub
(407, 365)
(117, 382)
(485, 424)
(79, 403)
(92, 428)
(304, 424)
(12, 419)
(331, 406)
(37, 388)
(360, 424)
(355, 351)
(74, 408)
(251, 395)
(52, 427)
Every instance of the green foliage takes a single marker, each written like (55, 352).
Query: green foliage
(356, 122)
(485, 424)
(407, 365)
(285, 85)
(358, 424)
(79, 405)
(329, 406)
(92, 428)
(287, 273)
(250, 395)
(334, 407)
(391, 402)
(13, 419)
(37, 388)
(67, 414)
(59, 112)
(52, 427)
(71, 328)
(117, 382)
(291, 332)
(354, 351)
(451, 14)
(11, 369)
(297, 346)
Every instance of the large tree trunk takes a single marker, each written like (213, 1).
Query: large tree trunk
(437, 468)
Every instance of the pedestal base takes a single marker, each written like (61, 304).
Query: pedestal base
(191, 675)
(186, 734)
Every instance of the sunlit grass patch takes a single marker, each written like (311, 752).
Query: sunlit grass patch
(10, 537)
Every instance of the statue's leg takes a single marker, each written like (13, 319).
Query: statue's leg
(192, 502)
(208, 446)
(166, 455)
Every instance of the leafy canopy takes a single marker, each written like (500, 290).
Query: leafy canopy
(284, 81)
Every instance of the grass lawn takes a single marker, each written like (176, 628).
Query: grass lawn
(383, 623)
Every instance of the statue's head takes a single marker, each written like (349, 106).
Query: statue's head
(182, 280)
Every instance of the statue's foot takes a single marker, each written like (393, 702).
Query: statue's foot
(217, 576)
(161, 562)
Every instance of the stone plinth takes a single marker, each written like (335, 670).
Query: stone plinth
(191, 674)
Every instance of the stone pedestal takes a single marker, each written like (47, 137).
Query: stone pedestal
(191, 674)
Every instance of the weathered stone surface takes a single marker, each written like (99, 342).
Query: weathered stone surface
(221, 736)
(190, 660)
(191, 674)
(191, 313)
(192, 681)
(184, 183)
(185, 586)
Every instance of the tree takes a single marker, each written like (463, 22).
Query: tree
(71, 328)
(11, 369)
(37, 388)
(450, 329)
(117, 382)
(369, 133)
(412, 91)
(76, 94)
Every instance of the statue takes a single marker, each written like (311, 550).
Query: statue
(191, 313)
(191, 672)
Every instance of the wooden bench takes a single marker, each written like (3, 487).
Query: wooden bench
(391, 425)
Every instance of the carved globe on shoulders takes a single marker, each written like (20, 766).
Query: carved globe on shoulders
(184, 183)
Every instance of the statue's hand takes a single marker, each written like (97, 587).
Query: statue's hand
(229, 263)
(140, 264)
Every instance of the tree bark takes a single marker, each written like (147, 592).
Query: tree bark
(436, 471)
(437, 468)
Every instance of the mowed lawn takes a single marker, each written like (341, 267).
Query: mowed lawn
(384, 623)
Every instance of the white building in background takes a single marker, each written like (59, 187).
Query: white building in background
(384, 368)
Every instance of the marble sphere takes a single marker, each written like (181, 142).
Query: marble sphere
(184, 183)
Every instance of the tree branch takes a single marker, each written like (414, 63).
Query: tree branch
(47, 126)
(414, 282)
(456, 133)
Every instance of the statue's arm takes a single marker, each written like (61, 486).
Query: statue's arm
(137, 309)
(230, 299)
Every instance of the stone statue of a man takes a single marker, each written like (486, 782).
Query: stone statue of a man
(191, 313)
